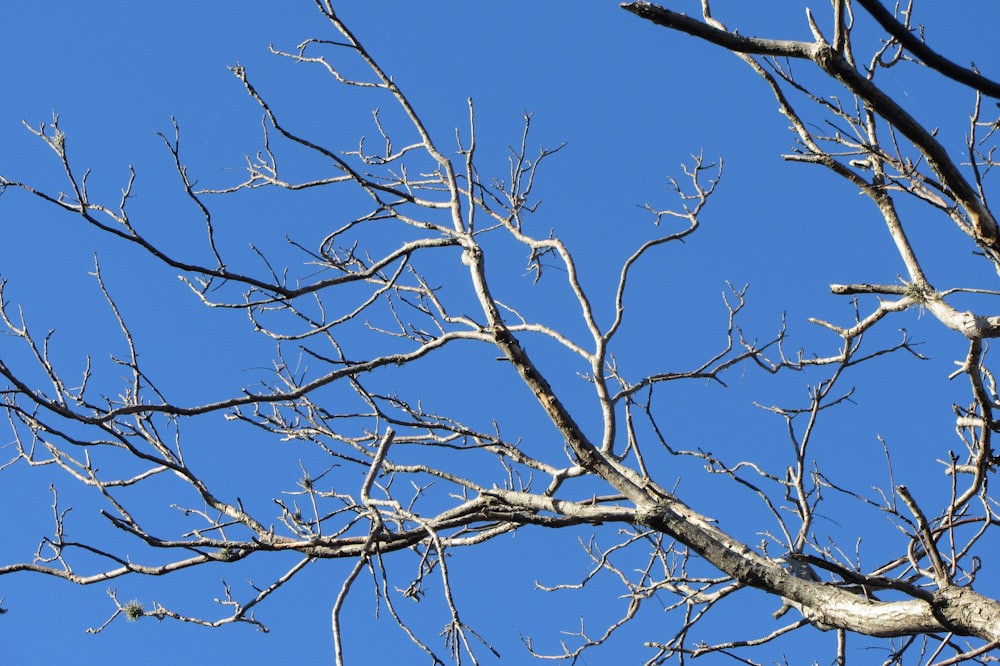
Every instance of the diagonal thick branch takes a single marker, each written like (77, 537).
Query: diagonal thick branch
(836, 65)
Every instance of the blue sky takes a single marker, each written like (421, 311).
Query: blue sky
(630, 100)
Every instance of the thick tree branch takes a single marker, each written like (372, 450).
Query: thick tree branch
(926, 54)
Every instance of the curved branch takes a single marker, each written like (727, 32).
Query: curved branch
(926, 54)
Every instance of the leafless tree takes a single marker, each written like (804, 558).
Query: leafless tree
(423, 285)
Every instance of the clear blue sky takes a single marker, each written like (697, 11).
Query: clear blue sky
(630, 100)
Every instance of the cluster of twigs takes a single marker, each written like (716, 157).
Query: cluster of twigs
(390, 473)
